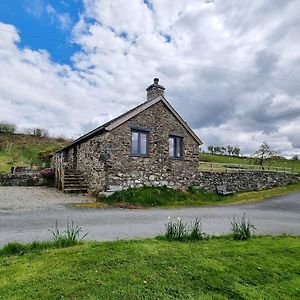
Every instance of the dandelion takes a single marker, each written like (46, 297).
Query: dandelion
(178, 219)
(169, 218)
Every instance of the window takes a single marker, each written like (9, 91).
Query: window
(139, 143)
(175, 147)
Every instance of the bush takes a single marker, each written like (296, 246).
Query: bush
(48, 172)
(183, 232)
(68, 237)
(242, 229)
(7, 127)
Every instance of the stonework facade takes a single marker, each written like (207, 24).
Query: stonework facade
(108, 165)
(157, 168)
(105, 158)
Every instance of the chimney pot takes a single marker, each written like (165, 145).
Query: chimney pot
(155, 90)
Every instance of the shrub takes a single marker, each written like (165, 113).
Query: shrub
(69, 237)
(242, 229)
(48, 172)
(181, 231)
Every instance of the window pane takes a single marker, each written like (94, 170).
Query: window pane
(143, 145)
(178, 147)
(134, 142)
(171, 147)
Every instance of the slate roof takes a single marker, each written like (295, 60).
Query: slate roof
(126, 116)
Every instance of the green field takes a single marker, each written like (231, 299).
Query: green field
(23, 150)
(219, 268)
(226, 159)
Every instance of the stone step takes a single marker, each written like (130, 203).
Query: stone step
(74, 176)
(73, 180)
(75, 190)
(73, 173)
(76, 185)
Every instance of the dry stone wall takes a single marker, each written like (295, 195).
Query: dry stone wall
(225, 183)
(23, 179)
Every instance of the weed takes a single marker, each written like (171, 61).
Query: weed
(181, 231)
(242, 229)
(70, 236)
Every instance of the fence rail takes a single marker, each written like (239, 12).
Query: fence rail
(230, 167)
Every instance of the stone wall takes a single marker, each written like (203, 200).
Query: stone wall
(106, 161)
(23, 179)
(91, 161)
(125, 170)
(225, 183)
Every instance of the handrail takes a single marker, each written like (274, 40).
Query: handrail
(232, 167)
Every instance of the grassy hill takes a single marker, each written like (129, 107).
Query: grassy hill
(274, 162)
(26, 150)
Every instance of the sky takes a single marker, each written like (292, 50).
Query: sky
(230, 68)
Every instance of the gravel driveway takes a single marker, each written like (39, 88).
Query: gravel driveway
(19, 198)
(26, 214)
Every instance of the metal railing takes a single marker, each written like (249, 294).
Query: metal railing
(230, 167)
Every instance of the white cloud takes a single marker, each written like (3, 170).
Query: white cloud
(125, 44)
(63, 19)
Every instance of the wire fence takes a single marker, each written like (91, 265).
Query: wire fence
(230, 167)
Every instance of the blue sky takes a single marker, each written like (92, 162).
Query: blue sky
(95, 58)
(38, 23)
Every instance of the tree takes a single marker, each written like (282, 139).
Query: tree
(40, 132)
(264, 153)
(295, 157)
(210, 149)
(236, 151)
(229, 150)
(6, 127)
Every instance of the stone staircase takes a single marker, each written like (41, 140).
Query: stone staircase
(74, 182)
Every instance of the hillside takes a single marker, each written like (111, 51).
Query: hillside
(25, 150)
(274, 162)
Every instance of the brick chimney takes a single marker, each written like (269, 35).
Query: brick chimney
(155, 90)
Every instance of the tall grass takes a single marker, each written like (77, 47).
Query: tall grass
(242, 229)
(68, 237)
(181, 231)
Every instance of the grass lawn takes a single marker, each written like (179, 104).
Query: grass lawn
(166, 197)
(220, 268)
(274, 162)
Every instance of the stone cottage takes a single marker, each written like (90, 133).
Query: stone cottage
(148, 145)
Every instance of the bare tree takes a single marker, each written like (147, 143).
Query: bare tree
(264, 153)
